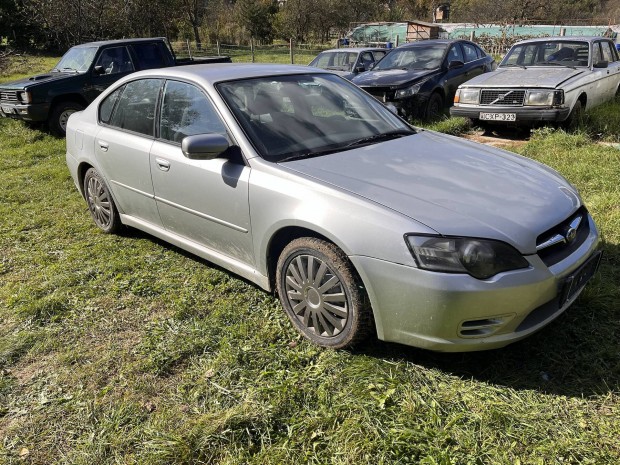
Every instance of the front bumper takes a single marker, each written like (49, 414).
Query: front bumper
(524, 115)
(458, 313)
(27, 112)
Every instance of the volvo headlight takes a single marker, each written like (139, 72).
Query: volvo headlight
(480, 258)
(408, 91)
(467, 96)
(544, 97)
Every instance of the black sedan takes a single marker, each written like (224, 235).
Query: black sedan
(421, 78)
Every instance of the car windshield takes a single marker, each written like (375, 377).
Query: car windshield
(298, 116)
(77, 59)
(341, 61)
(551, 53)
(418, 57)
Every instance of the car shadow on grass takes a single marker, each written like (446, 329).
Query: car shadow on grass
(577, 355)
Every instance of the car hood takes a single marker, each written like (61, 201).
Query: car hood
(391, 77)
(548, 77)
(38, 79)
(455, 187)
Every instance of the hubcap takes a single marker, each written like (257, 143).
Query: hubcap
(64, 118)
(316, 295)
(98, 202)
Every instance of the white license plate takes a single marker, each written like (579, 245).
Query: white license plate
(7, 110)
(498, 116)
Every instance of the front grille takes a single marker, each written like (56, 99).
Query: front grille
(505, 97)
(552, 245)
(380, 93)
(8, 96)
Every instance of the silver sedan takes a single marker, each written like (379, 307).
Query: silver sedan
(300, 182)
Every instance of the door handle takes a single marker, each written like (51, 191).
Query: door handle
(103, 146)
(163, 165)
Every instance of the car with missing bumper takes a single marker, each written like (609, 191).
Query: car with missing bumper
(419, 79)
(300, 182)
(546, 80)
(349, 62)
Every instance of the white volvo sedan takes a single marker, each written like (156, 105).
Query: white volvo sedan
(300, 182)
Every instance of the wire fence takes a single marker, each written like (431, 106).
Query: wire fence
(300, 54)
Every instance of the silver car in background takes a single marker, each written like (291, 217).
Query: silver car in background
(302, 183)
(544, 80)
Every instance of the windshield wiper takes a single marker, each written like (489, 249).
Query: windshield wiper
(555, 63)
(69, 69)
(380, 137)
(513, 64)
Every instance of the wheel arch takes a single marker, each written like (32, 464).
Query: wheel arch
(74, 97)
(83, 167)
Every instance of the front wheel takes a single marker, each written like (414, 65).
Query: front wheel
(100, 203)
(575, 119)
(60, 116)
(434, 107)
(321, 294)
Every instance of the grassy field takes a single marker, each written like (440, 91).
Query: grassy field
(122, 349)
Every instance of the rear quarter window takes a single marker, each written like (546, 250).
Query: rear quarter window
(148, 56)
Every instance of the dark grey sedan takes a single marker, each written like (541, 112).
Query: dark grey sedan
(300, 182)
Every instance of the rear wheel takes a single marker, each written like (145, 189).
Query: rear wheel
(321, 294)
(100, 203)
(60, 116)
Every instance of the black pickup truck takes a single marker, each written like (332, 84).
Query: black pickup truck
(81, 75)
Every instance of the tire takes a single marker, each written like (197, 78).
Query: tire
(575, 118)
(100, 203)
(327, 305)
(434, 107)
(60, 115)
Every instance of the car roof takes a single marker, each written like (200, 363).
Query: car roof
(219, 72)
(121, 41)
(357, 49)
(421, 43)
(562, 38)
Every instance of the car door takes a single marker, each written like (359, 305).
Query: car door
(456, 76)
(123, 144)
(205, 201)
(613, 68)
(598, 88)
(111, 64)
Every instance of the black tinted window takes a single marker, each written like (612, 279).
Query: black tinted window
(135, 110)
(107, 106)
(148, 56)
(470, 52)
(115, 60)
(455, 54)
(187, 111)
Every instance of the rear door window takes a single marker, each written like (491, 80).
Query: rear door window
(135, 110)
(470, 52)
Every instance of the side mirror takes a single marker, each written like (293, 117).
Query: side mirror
(455, 64)
(98, 70)
(204, 146)
(601, 64)
(371, 65)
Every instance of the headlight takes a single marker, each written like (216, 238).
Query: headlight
(544, 97)
(480, 258)
(468, 96)
(24, 97)
(408, 91)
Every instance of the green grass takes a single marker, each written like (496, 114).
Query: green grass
(122, 349)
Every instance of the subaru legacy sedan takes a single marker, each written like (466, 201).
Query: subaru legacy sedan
(302, 183)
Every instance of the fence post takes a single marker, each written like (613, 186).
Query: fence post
(290, 48)
(252, 48)
(217, 42)
(189, 50)
(562, 31)
(472, 36)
